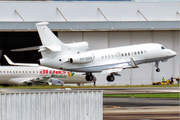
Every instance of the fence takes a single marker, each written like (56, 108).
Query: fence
(61, 105)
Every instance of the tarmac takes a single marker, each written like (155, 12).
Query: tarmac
(141, 108)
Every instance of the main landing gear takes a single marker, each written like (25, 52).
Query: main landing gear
(157, 65)
(110, 78)
(89, 76)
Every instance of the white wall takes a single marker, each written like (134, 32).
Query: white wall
(146, 73)
(88, 11)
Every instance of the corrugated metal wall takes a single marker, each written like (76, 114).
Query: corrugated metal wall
(64, 105)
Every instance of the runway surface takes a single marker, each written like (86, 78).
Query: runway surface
(105, 90)
(130, 108)
(136, 90)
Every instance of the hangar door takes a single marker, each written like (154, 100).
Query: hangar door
(14, 40)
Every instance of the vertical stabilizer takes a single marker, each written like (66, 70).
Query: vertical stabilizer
(47, 37)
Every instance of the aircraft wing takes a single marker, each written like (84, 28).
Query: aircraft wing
(20, 64)
(116, 69)
(120, 67)
(29, 80)
(111, 70)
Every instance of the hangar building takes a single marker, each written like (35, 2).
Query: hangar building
(102, 24)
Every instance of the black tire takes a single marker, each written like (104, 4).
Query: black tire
(157, 70)
(89, 77)
(110, 78)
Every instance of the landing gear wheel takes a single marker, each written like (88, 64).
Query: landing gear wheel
(89, 77)
(157, 70)
(110, 78)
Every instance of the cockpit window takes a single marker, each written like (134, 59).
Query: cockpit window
(162, 47)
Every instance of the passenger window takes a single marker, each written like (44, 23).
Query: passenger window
(141, 52)
(105, 57)
(125, 54)
(7, 71)
(135, 53)
(29, 71)
(129, 54)
(138, 52)
(112, 56)
(0, 71)
(13, 71)
(122, 54)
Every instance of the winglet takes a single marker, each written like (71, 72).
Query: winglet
(8, 60)
(133, 64)
(20, 64)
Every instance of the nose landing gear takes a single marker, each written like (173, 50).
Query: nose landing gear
(157, 65)
(157, 70)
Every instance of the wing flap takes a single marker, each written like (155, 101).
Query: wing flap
(111, 70)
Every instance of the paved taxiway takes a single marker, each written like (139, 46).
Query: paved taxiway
(131, 108)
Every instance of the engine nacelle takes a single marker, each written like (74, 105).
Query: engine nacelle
(56, 82)
(82, 58)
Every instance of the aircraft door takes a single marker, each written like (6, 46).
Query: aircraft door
(118, 55)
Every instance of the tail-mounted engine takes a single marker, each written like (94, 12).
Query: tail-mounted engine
(82, 58)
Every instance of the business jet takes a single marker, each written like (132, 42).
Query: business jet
(33, 74)
(76, 57)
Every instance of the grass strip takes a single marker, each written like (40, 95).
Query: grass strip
(88, 86)
(147, 95)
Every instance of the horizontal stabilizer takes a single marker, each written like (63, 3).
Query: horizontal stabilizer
(20, 64)
(52, 48)
(26, 49)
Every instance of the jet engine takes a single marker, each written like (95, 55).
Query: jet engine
(56, 82)
(82, 58)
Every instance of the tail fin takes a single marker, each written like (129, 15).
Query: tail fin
(47, 37)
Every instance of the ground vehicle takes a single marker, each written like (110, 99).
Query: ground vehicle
(177, 79)
(167, 82)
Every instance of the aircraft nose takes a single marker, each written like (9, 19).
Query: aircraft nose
(172, 53)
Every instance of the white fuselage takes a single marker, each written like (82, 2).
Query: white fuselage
(110, 57)
(15, 75)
